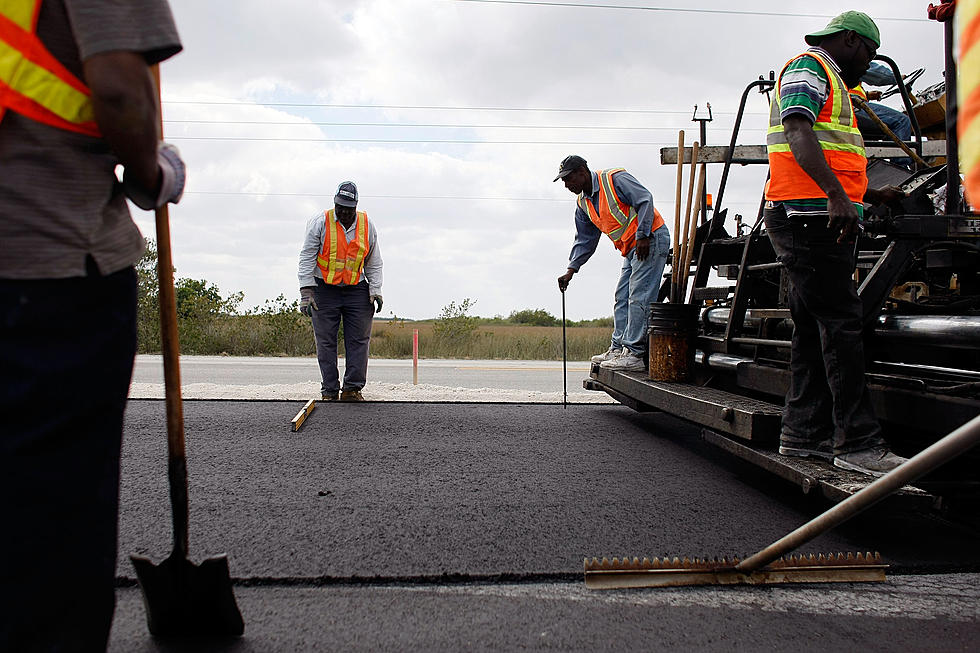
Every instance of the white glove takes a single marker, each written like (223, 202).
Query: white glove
(173, 174)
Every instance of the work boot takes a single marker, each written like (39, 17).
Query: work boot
(330, 396)
(876, 461)
(351, 395)
(626, 362)
(607, 355)
(823, 449)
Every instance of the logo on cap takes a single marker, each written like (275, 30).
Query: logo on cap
(346, 194)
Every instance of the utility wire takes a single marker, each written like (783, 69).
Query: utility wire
(432, 107)
(423, 125)
(410, 197)
(687, 10)
(406, 141)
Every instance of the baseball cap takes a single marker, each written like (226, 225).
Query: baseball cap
(854, 21)
(568, 164)
(346, 194)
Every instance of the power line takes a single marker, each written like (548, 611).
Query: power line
(423, 125)
(666, 202)
(736, 12)
(431, 107)
(387, 197)
(406, 141)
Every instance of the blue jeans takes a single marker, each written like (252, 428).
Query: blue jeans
(66, 358)
(828, 397)
(638, 285)
(353, 305)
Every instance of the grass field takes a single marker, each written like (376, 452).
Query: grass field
(394, 340)
(291, 334)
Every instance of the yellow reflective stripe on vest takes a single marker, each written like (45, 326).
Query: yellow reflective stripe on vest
(606, 186)
(334, 268)
(42, 86)
(21, 13)
(330, 264)
(31, 80)
(360, 239)
(839, 134)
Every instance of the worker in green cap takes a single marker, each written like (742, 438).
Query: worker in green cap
(814, 203)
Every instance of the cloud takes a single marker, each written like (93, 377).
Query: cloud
(263, 82)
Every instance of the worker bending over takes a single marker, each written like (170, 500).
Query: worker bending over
(613, 202)
(818, 180)
(340, 275)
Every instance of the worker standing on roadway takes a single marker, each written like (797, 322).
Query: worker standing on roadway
(77, 99)
(818, 180)
(613, 202)
(340, 275)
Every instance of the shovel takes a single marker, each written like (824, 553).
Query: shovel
(181, 599)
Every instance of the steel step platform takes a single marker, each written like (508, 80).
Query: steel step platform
(725, 412)
(817, 476)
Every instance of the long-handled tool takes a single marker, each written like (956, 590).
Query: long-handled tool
(564, 355)
(675, 262)
(683, 264)
(692, 232)
(889, 133)
(181, 599)
(763, 567)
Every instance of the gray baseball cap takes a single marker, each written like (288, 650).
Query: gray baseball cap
(346, 194)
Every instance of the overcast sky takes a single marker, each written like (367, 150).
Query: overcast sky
(452, 117)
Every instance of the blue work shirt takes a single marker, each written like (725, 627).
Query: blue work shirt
(587, 235)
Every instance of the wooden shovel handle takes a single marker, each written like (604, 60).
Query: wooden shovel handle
(675, 264)
(176, 453)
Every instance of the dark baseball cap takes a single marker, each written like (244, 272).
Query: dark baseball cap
(568, 164)
(854, 21)
(346, 194)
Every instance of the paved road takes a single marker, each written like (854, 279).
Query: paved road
(463, 526)
(542, 376)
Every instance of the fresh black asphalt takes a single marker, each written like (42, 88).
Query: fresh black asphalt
(463, 526)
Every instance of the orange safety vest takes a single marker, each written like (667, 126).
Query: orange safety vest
(341, 262)
(860, 92)
(33, 82)
(839, 138)
(614, 217)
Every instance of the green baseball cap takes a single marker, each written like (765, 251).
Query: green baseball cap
(854, 21)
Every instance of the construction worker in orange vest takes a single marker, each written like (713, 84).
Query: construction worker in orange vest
(814, 207)
(613, 202)
(77, 99)
(340, 276)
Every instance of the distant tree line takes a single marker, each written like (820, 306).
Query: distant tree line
(210, 323)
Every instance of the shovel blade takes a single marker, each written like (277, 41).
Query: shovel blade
(187, 600)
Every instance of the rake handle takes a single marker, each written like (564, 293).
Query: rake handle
(677, 217)
(924, 462)
(690, 236)
(683, 268)
(170, 344)
(889, 133)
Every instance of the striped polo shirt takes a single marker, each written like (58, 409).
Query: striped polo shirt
(804, 88)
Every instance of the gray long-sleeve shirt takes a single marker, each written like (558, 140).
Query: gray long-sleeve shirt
(587, 235)
(313, 244)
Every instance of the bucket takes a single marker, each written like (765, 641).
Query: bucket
(673, 328)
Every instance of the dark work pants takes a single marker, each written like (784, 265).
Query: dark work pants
(353, 305)
(66, 359)
(828, 396)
